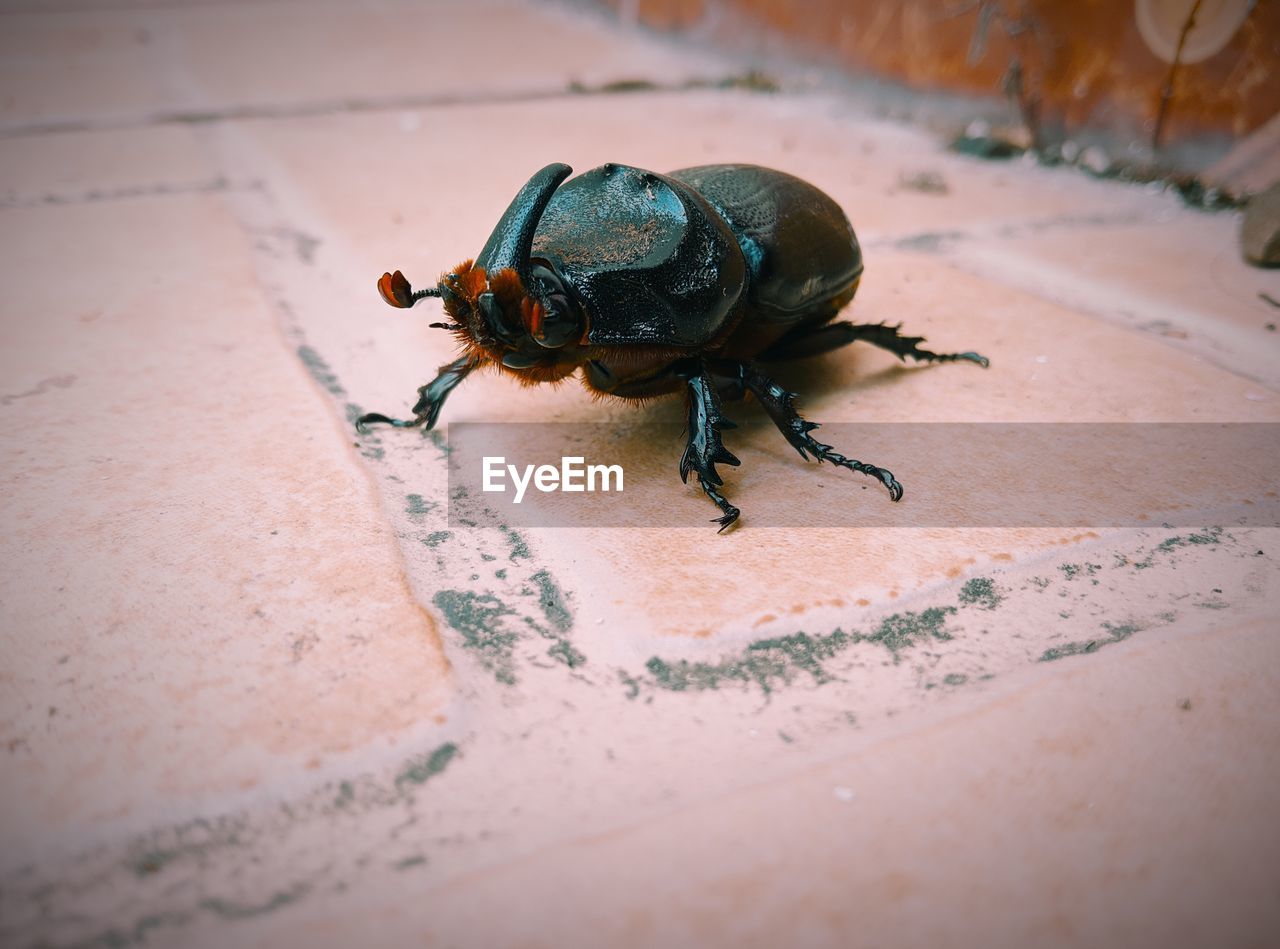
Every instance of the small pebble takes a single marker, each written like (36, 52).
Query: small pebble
(1260, 228)
(1095, 160)
(842, 793)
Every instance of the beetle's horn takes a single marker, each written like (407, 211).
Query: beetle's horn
(511, 240)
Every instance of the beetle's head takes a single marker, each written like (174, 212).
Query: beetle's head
(507, 308)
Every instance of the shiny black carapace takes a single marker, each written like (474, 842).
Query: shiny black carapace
(654, 284)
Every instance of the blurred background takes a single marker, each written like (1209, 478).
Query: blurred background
(1170, 82)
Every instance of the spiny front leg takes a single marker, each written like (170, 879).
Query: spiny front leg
(890, 338)
(430, 398)
(704, 448)
(780, 404)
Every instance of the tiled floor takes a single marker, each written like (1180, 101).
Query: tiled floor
(257, 690)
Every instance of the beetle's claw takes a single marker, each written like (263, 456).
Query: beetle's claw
(889, 481)
(731, 513)
(730, 518)
(978, 358)
(378, 417)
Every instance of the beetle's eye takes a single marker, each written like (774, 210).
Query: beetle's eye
(556, 322)
(559, 325)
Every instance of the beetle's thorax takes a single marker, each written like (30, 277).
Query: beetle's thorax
(496, 320)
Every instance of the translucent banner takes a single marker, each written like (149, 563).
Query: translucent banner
(953, 475)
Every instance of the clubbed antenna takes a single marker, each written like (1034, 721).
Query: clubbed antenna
(395, 289)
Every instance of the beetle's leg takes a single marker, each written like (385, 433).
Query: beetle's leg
(821, 339)
(888, 337)
(729, 385)
(430, 398)
(704, 447)
(809, 341)
(780, 404)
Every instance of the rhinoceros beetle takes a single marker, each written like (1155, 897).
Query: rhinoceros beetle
(654, 284)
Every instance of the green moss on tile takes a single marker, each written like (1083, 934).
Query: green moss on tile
(1207, 537)
(479, 618)
(321, 372)
(417, 507)
(804, 652)
(631, 682)
(955, 678)
(563, 651)
(231, 910)
(904, 630)
(516, 543)
(423, 768)
(346, 794)
(1212, 535)
(1115, 634)
(766, 663)
(140, 933)
(436, 538)
(436, 437)
(153, 861)
(981, 592)
(772, 663)
(552, 601)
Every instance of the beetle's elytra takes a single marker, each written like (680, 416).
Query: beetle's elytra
(653, 284)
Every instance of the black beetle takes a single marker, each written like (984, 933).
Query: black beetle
(655, 284)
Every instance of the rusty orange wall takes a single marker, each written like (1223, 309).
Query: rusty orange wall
(1087, 58)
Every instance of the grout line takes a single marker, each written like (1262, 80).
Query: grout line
(216, 185)
(936, 242)
(322, 108)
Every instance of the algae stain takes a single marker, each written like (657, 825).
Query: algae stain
(321, 371)
(423, 768)
(1208, 536)
(552, 601)
(153, 862)
(955, 678)
(437, 439)
(417, 507)
(437, 538)
(981, 592)
(346, 794)
(141, 929)
(516, 543)
(478, 617)
(563, 651)
(1073, 570)
(229, 910)
(903, 630)
(775, 662)
(766, 663)
(1116, 634)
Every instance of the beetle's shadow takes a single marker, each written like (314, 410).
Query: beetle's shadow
(830, 373)
(662, 421)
